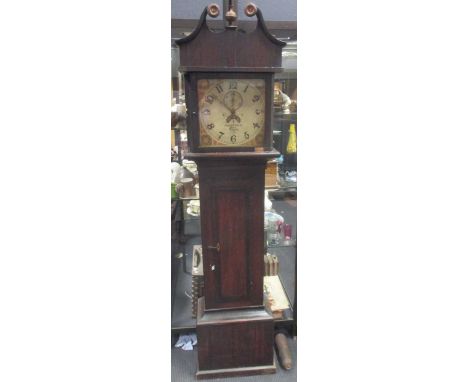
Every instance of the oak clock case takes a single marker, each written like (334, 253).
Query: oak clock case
(228, 93)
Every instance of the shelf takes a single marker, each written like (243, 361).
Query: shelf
(283, 244)
(281, 186)
(279, 195)
(284, 186)
(190, 198)
(281, 113)
(285, 116)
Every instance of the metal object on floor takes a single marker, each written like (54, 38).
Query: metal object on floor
(284, 354)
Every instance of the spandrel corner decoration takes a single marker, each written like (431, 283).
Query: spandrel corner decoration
(229, 93)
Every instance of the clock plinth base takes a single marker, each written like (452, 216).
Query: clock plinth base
(234, 342)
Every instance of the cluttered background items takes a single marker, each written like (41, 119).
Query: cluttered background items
(281, 100)
(184, 180)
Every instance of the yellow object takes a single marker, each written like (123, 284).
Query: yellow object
(292, 146)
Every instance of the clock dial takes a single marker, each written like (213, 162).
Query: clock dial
(231, 112)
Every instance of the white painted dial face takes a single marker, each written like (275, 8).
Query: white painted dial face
(231, 112)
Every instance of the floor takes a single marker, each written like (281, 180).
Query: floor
(184, 367)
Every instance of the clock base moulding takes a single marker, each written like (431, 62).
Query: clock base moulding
(234, 343)
(236, 372)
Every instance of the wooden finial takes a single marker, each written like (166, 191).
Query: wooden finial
(213, 10)
(250, 10)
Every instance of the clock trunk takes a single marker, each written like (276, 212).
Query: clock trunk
(232, 232)
(232, 228)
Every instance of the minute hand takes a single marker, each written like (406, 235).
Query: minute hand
(222, 103)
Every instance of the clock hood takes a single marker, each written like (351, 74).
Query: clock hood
(231, 49)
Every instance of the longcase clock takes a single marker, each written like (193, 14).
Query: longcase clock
(229, 97)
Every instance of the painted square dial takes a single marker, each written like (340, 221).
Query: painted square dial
(231, 112)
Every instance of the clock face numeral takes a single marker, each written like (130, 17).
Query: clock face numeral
(231, 112)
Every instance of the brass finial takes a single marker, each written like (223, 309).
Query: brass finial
(231, 15)
(213, 10)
